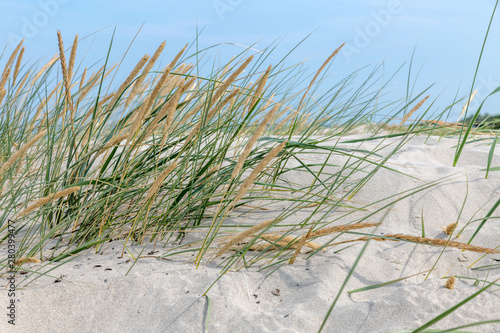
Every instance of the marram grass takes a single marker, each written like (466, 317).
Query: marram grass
(178, 149)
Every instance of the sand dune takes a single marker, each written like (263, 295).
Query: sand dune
(95, 294)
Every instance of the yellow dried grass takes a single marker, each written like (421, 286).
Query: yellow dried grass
(466, 105)
(92, 82)
(21, 84)
(248, 147)
(241, 236)
(47, 199)
(288, 240)
(18, 66)
(3, 92)
(342, 228)
(154, 188)
(82, 79)
(44, 68)
(413, 110)
(6, 166)
(300, 245)
(112, 143)
(168, 110)
(450, 283)
(450, 228)
(428, 241)
(260, 87)
(129, 79)
(224, 86)
(318, 72)
(146, 107)
(26, 260)
(209, 116)
(140, 79)
(8, 65)
(66, 77)
(72, 57)
(255, 172)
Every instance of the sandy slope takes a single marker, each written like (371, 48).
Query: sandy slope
(95, 295)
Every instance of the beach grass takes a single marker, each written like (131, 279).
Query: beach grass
(188, 156)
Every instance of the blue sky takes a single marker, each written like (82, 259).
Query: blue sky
(447, 34)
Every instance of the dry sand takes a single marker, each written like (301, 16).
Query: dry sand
(95, 294)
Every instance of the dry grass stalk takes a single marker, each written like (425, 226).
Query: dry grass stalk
(284, 121)
(255, 172)
(248, 89)
(248, 147)
(2, 94)
(450, 228)
(152, 190)
(209, 116)
(42, 106)
(241, 236)
(47, 199)
(96, 120)
(466, 105)
(105, 99)
(268, 102)
(224, 86)
(154, 58)
(44, 68)
(116, 139)
(226, 68)
(142, 77)
(66, 77)
(113, 142)
(72, 57)
(146, 107)
(7, 68)
(276, 115)
(342, 228)
(192, 92)
(26, 260)
(413, 110)
(191, 113)
(318, 72)
(218, 94)
(129, 79)
(21, 84)
(430, 241)
(190, 84)
(6, 166)
(450, 283)
(173, 81)
(259, 247)
(18, 66)
(276, 246)
(300, 245)
(260, 87)
(82, 80)
(92, 82)
(172, 64)
(169, 108)
(288, 240)
(176, 79)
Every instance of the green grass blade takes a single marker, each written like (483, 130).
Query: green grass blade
(453, 308)
(490, 156)
(464, 139)
(379, 285)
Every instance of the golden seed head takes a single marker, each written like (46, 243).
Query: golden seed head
(450, 283)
